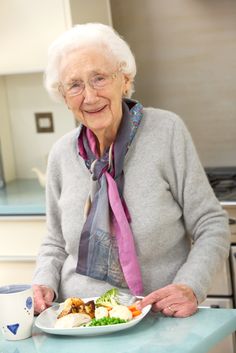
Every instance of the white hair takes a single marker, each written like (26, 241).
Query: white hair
(86, 35)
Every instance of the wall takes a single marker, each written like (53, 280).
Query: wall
(26, 96)
(5, 135)
(85, 11)
(26, 29)
(186, 59)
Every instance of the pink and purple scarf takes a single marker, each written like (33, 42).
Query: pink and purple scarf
(107, 249)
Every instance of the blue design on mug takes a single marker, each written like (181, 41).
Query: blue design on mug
(29, 303)
(13, 328)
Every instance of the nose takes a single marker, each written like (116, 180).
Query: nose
(90, 94)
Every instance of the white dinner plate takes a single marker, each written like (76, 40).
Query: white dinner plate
(47, 319)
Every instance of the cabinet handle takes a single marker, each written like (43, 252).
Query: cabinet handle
(232, 221)
(212, 306)
(17, 258)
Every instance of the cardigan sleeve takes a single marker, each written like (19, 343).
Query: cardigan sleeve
(52, 252)
(205, 220)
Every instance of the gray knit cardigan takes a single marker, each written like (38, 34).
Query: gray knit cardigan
(180, 230)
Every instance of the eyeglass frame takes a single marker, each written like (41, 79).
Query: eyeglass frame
(64, 91)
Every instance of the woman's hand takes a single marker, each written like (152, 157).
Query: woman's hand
(43, 297)
(173, 300)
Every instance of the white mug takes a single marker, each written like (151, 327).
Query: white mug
(16, 311)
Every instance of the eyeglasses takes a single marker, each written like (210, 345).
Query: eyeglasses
(97, 82)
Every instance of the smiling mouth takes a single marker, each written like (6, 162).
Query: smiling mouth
(94, 111)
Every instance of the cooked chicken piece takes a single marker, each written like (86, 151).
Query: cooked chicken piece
(72, 305)
(72, 320)
(90, 308)
(77, 305)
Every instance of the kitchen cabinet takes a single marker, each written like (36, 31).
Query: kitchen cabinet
(228, 343)
(221, 294)
(6, 143)
(231, 209)
(28, 27)
(26, 30)
(20, 238)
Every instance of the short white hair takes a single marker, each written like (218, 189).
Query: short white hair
(86, 35)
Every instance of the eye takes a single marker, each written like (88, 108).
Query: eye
(75, 87)
(99, 80)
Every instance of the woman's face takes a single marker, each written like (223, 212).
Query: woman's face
(98, 109)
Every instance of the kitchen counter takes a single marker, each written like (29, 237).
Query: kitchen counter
(228, 203)
(27, 197)
(22, 197)
(154, 334)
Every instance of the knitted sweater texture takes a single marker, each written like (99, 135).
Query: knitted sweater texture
(181, 232)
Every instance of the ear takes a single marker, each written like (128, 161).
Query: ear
(127, 84)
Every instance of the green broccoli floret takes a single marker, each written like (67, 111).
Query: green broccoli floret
(110, 298)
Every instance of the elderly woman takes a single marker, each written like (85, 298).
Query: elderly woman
(128, 202)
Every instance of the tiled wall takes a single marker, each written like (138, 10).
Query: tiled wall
(186, 58)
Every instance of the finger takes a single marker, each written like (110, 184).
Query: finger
(171, 300)
(148, 300)
(48, 296)
(185, 312)
(166, 291)
(180, 310)
(171, 294)
(169, 311)
(156, 296)
(156, 308)
(182, 304)
(39, 303)
(178, 294)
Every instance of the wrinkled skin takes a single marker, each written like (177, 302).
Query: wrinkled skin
(176, 300)
(43, 297)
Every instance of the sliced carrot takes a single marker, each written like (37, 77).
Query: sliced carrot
(136, 313)
(132, 308)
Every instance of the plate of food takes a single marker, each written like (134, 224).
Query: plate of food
(90, 316)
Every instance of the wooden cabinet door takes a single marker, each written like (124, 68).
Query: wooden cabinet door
(20, 238)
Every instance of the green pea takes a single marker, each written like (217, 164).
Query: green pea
(106, 321)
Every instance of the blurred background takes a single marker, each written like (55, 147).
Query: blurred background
(186, 59)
